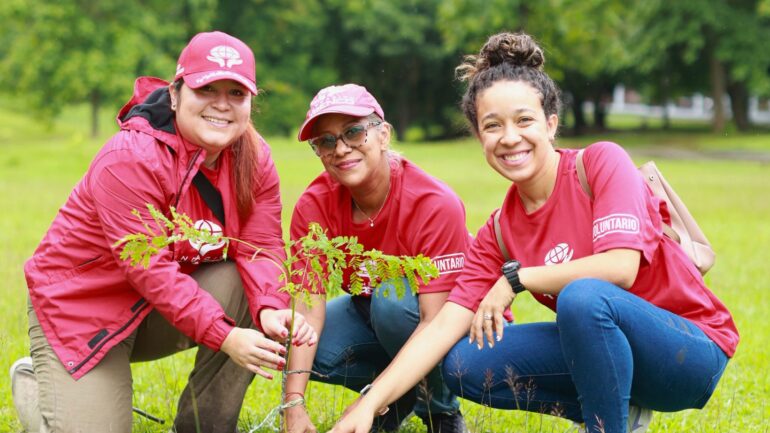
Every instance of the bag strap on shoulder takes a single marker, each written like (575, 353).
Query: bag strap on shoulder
(207, 191)
(583, 179)
(499, 236)
(210, 195)
(683, 228)
(581, 172)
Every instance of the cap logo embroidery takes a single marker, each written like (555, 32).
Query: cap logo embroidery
(224, 55)
(329, 96)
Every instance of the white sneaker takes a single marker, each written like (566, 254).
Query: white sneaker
(24, 392)
(639, 419)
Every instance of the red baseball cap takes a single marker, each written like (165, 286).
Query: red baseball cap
(215, 56)
(350, 99)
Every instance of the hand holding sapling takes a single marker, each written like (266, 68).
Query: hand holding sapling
(276, 324)
(317, 266)
(251, 350)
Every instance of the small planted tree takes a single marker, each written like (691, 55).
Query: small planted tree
(317, 265)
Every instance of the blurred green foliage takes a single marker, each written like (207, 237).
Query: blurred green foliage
(54, 54)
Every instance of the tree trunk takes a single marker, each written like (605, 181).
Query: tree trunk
(96, 100)
(578, 113)
(602, 97)
(664, 97)
(523, 16)
(410, 69)
(718, 89)
(600, 113)
(403, 117)
(739, 102)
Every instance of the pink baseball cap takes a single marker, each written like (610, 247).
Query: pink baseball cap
(350, 99)
(215, 56)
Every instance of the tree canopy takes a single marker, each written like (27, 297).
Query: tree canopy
(75, 51)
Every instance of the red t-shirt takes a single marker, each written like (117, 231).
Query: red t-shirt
(623, 214)
(421, 215)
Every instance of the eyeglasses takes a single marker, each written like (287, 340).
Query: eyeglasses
(353, 137)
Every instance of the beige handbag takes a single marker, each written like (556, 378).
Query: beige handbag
(683, 229)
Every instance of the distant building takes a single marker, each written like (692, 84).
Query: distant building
(695, 107)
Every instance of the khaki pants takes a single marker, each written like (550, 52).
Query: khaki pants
(101, 401)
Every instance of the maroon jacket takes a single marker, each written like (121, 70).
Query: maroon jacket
(88, 300)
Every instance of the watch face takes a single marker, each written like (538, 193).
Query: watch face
(511, 266)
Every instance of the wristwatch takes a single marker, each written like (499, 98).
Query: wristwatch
(511, 271)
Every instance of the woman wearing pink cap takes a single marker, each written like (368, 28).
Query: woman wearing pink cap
(636, 327)
(391, 205)
(189, 144)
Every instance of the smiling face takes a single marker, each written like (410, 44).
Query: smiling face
(354, 167)
(212, 116)
(515, 134)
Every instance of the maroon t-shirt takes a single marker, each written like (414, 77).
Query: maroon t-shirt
(421, 215)
(623, 214)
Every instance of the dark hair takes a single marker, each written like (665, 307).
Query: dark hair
(511, 57)
(245, 172)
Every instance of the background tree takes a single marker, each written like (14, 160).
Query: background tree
(394, 48)
(74, 51)
(288, 38)
(587, 44)
(719, 40)
(583, 42)
(54, 54)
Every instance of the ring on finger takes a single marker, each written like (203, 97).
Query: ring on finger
(487, 316)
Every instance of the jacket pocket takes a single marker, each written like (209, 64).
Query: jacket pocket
(86, 266)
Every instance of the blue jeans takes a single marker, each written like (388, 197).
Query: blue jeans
(354, 349)
(607, 349)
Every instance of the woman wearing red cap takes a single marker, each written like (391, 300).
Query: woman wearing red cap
(636, 327)
(189, 144)
(370, 192)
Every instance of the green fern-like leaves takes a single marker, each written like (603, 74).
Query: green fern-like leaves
(325, 259)
(139, 248)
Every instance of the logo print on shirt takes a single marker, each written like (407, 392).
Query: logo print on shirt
(450, 263)
(615, 223)
(213, 228)
(366, 289)
(224, 55)
(561, 253)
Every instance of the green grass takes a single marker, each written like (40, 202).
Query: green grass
(40, 165)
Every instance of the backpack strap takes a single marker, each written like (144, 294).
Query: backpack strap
(210, 195)
(499, 236)
(581, 172)
(582, 178)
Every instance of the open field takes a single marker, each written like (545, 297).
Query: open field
(729, 198)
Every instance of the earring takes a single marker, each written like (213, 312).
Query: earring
(173, 106)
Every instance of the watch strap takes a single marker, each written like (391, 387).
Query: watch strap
(512, 275)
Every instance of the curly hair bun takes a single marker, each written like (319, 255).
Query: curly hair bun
(516, 49)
